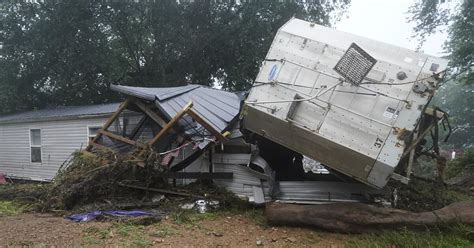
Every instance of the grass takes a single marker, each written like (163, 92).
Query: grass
(131, 235)
(164, 232)
(189, 217)
(10, 208)
(128, 234)
(454, 236)
(257, 215)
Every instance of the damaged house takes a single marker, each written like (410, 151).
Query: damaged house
(195, 133)
(357, 106)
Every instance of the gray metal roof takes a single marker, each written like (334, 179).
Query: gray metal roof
(217, 107)
(67, 112)
(151, 94)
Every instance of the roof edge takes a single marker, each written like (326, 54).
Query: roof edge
(60, 118)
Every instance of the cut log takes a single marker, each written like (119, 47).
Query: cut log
(360, 218)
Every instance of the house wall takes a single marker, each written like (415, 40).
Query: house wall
(58, 139)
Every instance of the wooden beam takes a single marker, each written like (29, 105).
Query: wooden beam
(163, 191)
(123, 139)
(96, 145)
(198, 175)
(88, 153)
(168, 126)
(431, 111)
(206, 125)
(147, 110)
(138, 127)
(418, 139)
(111, 119)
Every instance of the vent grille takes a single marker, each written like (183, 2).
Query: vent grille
(355, 64)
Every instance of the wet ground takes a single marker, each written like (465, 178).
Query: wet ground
(216, 230)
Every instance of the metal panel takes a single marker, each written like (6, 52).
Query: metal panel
(346, 127)
(151, 94)
(314, 191)
(219, 108)
(355, 64)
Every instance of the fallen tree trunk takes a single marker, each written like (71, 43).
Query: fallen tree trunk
(359, 217)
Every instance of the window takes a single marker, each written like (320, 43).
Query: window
(35, 145)
(92, 131)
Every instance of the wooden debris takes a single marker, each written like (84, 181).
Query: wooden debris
(163, 191)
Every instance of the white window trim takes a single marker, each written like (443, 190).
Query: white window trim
(88, 134)
(40, 146)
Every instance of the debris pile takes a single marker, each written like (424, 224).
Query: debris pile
(425, 195)
(106, 181)
(89, 178)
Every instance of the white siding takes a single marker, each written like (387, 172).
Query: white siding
(58, 139)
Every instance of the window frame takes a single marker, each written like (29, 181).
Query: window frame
(36, 146)
(89, 136)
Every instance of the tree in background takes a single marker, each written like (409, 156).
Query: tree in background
(457, 95)
(69, 52)
(431, 15)
(457, 99)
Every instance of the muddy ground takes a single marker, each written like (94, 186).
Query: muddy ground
(210, 230)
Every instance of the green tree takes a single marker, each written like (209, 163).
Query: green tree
(430, 15)
(70, 51)
(457, 95)
(456, 98)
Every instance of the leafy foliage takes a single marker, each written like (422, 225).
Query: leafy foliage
(430, 15)
(9, 208)
(461, 164)
(461, 41)
(69, 52)
(456, 98)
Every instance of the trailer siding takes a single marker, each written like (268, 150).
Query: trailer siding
(59, 139)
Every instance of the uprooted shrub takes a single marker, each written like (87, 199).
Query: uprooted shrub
(89, 178)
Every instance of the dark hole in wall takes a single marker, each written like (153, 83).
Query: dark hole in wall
(287, 163)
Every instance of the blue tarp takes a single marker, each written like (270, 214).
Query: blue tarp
(118, 213)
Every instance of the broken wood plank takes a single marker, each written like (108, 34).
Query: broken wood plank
(138, 127)
(123, 139)
(198, 175)
(111, 119)
(168, 126)
(163, 191)
(96, 145)
(359, 217)
(206, 125)
(148, 111)
(418, 139)
(88, 153)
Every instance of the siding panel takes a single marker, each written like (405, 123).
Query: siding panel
(58, 139)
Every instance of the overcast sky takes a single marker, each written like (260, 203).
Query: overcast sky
(385, 20)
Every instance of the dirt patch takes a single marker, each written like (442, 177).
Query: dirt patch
(229, 230)
(38, 229)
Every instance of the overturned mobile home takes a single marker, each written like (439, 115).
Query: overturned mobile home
(356, 105)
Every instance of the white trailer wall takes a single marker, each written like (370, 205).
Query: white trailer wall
(58, 140)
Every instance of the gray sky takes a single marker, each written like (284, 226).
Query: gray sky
(385, 20)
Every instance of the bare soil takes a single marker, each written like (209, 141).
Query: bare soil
(232, 230)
